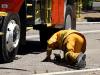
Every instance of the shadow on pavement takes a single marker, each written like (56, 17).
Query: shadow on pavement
(63, 63)
(92, 19)
(67, 65)
(33, 47)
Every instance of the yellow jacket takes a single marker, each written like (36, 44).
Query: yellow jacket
(58, 39)
(70, 41)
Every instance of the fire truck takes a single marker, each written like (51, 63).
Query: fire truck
(47, 16)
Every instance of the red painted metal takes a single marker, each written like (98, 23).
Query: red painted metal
(13, 5)
(57, 12)
(57, 9)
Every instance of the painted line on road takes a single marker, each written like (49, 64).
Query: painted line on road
(87, 23)
(69, 72)
(90, 31)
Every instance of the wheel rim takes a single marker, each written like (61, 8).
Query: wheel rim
(12, 35)
(68, 22)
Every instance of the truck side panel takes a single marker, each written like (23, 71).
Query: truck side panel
(57, 12)
(11, 5)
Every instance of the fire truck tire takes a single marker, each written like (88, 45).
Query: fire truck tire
(70, 21)
(9, 42)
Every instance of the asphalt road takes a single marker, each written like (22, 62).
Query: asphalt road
(30, 62)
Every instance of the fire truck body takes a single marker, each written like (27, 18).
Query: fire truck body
(48, 16)
(11, 5)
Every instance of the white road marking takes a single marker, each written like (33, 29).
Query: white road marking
(87, 23)
(90, 31)
(69, 72)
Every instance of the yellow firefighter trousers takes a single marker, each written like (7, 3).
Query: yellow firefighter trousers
(74, 44)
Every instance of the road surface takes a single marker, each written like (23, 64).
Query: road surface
(30, 62)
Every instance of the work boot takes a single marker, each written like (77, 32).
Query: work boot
(80, 61)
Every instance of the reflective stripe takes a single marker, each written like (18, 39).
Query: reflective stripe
(3, 13)
(1, 33)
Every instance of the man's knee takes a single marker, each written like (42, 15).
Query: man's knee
(78, 61)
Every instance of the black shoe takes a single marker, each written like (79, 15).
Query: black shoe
(81, 63)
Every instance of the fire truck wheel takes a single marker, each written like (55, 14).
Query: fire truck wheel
(10, 40)
(70, 22)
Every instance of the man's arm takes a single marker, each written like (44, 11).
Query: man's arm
(51, 46)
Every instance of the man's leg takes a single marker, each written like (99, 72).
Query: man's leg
(74, 45)
(70, 54)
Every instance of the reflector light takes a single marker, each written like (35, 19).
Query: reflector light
(4, 5)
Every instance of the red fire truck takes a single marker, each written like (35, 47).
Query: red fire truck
(48, 16)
